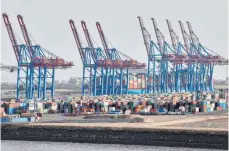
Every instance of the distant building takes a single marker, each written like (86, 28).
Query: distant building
(73, 80)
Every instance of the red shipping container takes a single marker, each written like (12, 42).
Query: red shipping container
(123, 82)
(219, 108)
(135, 85)
(153, 110)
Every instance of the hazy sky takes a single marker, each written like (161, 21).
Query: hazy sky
(47, 22)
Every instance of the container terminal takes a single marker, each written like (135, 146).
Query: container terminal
(176, 81)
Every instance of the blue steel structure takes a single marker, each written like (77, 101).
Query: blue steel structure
(36, 71)
(99, 66)
(103, 70)
(178, 68)
(121, 63)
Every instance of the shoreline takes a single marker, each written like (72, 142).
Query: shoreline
(138, 135)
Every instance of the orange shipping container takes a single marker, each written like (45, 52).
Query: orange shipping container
(137, 110)
(53, 104)
(219, 108)
(140, 107)
(131, 84)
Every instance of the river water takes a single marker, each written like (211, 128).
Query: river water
(63, 146)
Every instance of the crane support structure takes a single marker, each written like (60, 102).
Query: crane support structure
(178, 67)
(108, 73)
(186, 66)
(35, 71)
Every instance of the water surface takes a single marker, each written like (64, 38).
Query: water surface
(63, 146)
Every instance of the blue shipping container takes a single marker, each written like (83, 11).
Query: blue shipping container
(23, 107)
(161, 110)
(203, 102)
(137, 91)
(224, 106)
(11, 110)
(218, 104)
(31, 119)
(4, 120)
(19, 120)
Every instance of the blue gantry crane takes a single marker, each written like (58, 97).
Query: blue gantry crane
(121, 63)
(178, 68)
(108, 71)
(35, 64)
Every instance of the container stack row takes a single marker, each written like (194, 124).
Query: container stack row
(134, 104)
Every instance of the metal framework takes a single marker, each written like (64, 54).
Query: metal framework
(107, 69)
(36, 65)
(178, 67)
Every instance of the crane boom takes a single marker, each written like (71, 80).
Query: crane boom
(159, 35)
(11, 35)
(77, 39)
(88, 38)
(25, 35)
(194, 38)
(87, 35)
(186, 37)
(173, 35)
(145, 35)
(103, 39)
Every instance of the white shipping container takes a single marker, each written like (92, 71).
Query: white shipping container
(76, 105)
(39, 105)
(149, 107)
(222, 101)
(212, 109)
(105, 103)
(111, 109)
(128, 112)
(209, 96)
(53, 107)
(186, 110)
(31, 108)
(106, 109)
(31, 104)
(213, 105)
(145, 110)
(39, 110)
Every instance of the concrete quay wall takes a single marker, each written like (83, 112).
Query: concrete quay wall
(132, 136)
